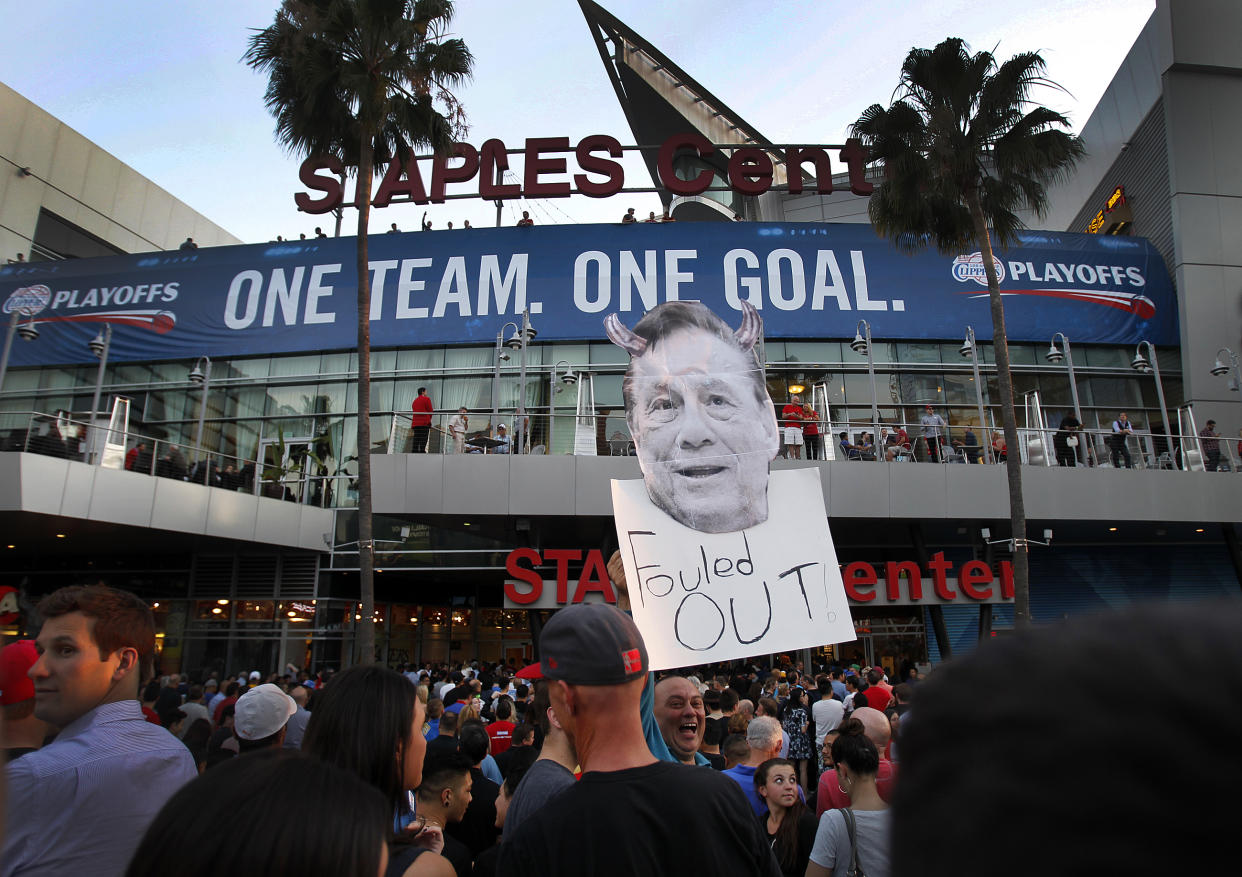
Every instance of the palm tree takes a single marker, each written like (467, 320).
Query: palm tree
(364, 80)
(963, 149)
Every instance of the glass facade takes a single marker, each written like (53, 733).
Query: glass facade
(256, 405)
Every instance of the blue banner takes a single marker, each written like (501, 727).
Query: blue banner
(808, 280)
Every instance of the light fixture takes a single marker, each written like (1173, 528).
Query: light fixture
(60, 535)
(196, 375)
(1054, 354)
(1220, 369)
(858, 345)
(12, 546)
(967, 349)
(515, 340)
(155, 605)
(569, 378)
(530, 333)
(796, 389)
(223, 602)
(97, 345)
(1140, 363)
(216, 610)
(1112, 529)
(291, 614)
(1199, 530)
(503, 357)
(28, 331)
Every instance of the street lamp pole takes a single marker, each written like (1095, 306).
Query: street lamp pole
(862, 344)
(99, 346)
(1054, 356)
(1140, 364)
(568, 378)
(971, 350)
(1219, 369)
(201, 376)
(499, 357)
(28, 333)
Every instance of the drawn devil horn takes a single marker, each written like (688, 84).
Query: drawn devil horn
(752, 326)
(623, 337)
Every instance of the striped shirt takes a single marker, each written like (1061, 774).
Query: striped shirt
(81, 804)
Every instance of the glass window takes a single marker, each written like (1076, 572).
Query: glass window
(608, 391)
(296, 399)
(383, 361)
(1106, 357)
(1024, 354)
(919, 389)
(1111, 392)
(826, 352)
(926, 353)
(295, 366)
(609, 354)
(960, 390)
(60, 378)
(244, 368)
(474, 393)
(425, 360)
(332, 364)
(477, 358)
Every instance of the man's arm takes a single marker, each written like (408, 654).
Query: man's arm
(646, 704)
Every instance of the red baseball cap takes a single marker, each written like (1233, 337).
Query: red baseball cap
(15, 660)
(530, 671)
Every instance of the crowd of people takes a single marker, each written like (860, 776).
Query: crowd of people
(589, 763)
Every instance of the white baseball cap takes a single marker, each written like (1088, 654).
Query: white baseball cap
(262, 711)
(255, 674)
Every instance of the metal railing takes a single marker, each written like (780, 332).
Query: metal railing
(298, 476)
(288, 478)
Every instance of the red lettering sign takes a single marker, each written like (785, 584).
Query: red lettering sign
(973, 574)
(749, 170)
(525, 574)
(859, 575)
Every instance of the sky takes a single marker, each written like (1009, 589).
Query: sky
(162, 87)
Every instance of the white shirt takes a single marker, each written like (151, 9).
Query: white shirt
(827, 714)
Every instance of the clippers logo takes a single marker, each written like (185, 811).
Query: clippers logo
(971, 268)
(29, 300)
(633, 660)
(9, 608)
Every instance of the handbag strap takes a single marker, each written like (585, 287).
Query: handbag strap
(848, 815)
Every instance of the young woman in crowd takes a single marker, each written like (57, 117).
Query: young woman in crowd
(795, 723)
(386, 750)
(863, 828)
(789, 825)
(280, 813)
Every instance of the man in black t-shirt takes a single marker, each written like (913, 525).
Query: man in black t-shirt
(628, 810)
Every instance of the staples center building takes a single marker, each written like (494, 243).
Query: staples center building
(260, 570)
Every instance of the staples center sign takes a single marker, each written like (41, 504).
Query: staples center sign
(896, 583)
(546, 173)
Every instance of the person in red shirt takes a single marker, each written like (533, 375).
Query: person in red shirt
(878, 731)
(420, 420)
(810, 433)
(791, 427)
(501, 730)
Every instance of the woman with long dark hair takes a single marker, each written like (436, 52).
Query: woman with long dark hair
(368, 720)
(280, 814)
(788, 824)
(795, 723)
(863, 829)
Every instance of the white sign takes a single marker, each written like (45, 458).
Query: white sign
(699, 597)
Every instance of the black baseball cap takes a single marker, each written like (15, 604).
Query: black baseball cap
(592, 644)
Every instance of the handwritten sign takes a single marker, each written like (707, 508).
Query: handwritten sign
(700, 597)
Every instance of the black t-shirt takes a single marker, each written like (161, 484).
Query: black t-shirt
(477, 829)
(625, 822)
(807, 826)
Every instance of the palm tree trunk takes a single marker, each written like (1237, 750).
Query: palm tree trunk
(1009, 419)
(366, 544)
